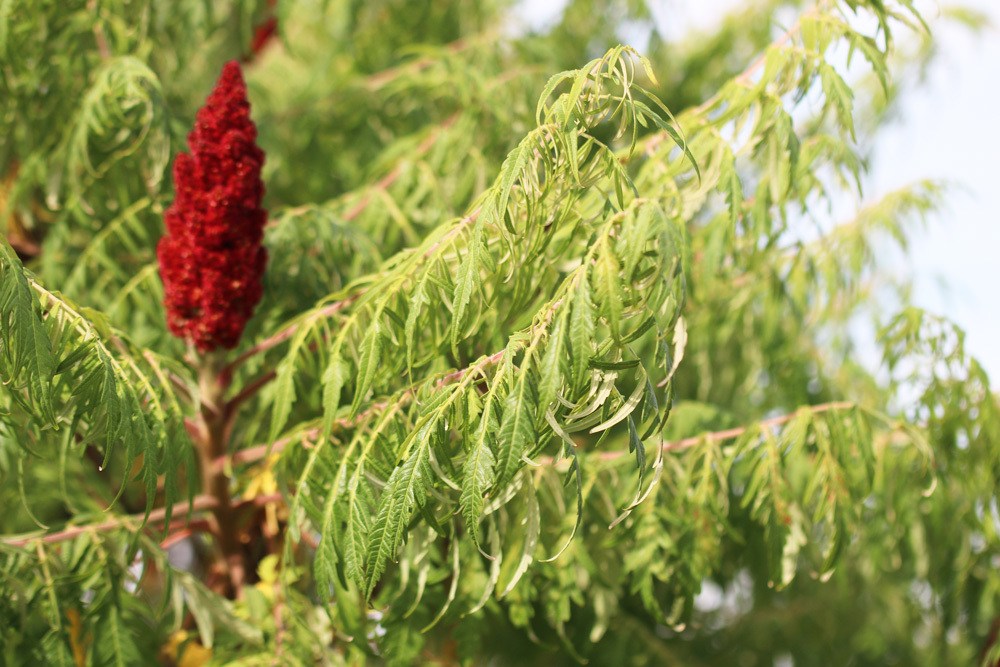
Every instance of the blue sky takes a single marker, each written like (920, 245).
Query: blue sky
(946, 131)
(949, 131)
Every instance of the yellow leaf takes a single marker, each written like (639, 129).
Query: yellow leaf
(184, 652)
(77, 641)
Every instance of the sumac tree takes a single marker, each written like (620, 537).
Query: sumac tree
(555, 356)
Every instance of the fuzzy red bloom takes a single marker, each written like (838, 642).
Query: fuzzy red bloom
(262, 35)
(211, 258)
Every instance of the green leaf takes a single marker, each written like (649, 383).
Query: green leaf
(334, 378)
(371, 355)
(356, 530)
(608, 284)
(284, 386)
(28, 350)
(526, 538)
(210, 610)
(478, 474)
(114, 643)
(405, 488)
(581, 331)
(626, 408)
(551, 378)
(511, 171)
(839, 95)
(466, 283)
(418, 301)
(873, 54)
(517, 429)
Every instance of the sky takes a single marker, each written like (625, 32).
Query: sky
(946, 130)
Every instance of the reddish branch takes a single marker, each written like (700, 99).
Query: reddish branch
(156, 519)
(382, 185)
(208, 502)
(288, 332)
(255, 385)
(376, 81)
(258, 452)
(743, 78)
(729, 434)
(386, 181)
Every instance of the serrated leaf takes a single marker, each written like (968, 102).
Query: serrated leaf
(209, 610)
(355, 536)
(680, 343)
(405, 487)
(528, 539)
(334, 378)
(550, 371)
(608, 286)
(466, 283)
(581, 330)
(839, 95)
(511, 170)
(625, 410)
(477, 476)
(20, 323)
(368, 363)
(517, 429)
(284, 386)
(494, 576)
(417, 302)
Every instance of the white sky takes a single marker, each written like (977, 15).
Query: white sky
(948, 130)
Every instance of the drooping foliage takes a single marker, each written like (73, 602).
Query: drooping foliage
(563, 351)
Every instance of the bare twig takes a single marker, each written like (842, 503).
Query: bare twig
(99, 37)
(156, 517)
(204, 502)
(743, 78)
(259, 452)
(326, 311)
(729, 434)
(288, 332)
(201, 503)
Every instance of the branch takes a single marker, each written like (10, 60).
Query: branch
(178, 531)
(157, 516)
(729, 434)
(380, 79)
(330, 309)
(386, 181)
(743, 78)
(288, 332)
(365, 195)
(259, 452)
(99, 37)
(248, 391)
(199, 503)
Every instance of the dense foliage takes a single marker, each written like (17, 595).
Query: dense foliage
(560, 354)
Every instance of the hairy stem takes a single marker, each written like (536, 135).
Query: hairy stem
(212, 443)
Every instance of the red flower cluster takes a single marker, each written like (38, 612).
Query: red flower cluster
(263, 33)
(211, 258)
